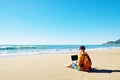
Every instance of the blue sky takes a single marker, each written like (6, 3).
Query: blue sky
(59, 21)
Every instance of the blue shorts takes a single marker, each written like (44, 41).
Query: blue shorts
(74, 66)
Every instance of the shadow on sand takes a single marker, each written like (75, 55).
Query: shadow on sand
(94, 70)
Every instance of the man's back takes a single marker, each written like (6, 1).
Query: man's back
(85, 62)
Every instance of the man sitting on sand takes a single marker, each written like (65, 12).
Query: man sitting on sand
(83, 63)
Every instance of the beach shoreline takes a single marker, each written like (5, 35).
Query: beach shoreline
(105, 66)
(17, 50)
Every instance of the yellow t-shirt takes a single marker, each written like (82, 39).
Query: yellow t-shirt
(80, 58)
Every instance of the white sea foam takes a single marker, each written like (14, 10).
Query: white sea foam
(30, 50)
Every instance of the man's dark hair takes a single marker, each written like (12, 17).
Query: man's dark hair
(82, 47)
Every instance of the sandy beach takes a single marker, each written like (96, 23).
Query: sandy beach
(106, 66)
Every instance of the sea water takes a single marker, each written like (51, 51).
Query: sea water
(10, 50)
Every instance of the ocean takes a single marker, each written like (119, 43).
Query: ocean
(11, 50)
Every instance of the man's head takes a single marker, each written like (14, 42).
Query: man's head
(82, 48)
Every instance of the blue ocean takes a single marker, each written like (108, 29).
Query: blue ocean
(10, 50)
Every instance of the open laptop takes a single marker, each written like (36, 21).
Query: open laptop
(74, 57)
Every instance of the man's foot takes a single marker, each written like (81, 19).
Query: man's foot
(68, 65)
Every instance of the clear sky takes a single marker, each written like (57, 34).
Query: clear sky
(59, 21)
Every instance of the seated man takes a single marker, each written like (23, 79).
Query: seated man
(83, 63)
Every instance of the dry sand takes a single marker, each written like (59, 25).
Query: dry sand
(106, 66)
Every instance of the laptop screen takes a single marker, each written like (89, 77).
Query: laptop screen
(74, 57)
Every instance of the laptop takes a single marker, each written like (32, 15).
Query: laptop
(74, 57)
